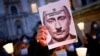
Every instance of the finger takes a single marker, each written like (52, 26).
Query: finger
(41, 39)
(42, 31)
(42, 27)
(42, 36)
(43, 43)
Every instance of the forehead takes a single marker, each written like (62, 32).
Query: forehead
(54, 11)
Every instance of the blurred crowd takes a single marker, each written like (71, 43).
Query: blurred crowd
(92, 40)
(29, 46)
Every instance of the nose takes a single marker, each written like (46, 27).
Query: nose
(58, 26)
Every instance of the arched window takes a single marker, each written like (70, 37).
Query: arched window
(14, 10)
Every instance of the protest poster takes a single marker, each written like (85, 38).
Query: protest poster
(57, 17)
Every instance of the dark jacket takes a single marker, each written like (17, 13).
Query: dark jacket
(35, 49)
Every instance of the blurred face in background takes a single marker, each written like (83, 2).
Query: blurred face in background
(57, 22)
(95, 25)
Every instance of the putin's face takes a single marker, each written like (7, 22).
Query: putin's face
(57, 23)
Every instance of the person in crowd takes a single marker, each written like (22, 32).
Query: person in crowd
(92, 40)
(39, 46)
(57, 22)
(58, 26)
(21, 48)
(41, 38)
(35, 48)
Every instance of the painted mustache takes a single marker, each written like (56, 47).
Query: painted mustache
(59, 31)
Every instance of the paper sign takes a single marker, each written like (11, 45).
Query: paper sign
(57, 18)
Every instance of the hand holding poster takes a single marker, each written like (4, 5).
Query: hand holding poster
(58, 20)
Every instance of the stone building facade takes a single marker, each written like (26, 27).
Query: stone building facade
(17, 18)
(86, 11)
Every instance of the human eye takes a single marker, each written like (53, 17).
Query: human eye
(61, 17)
(50, 20)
